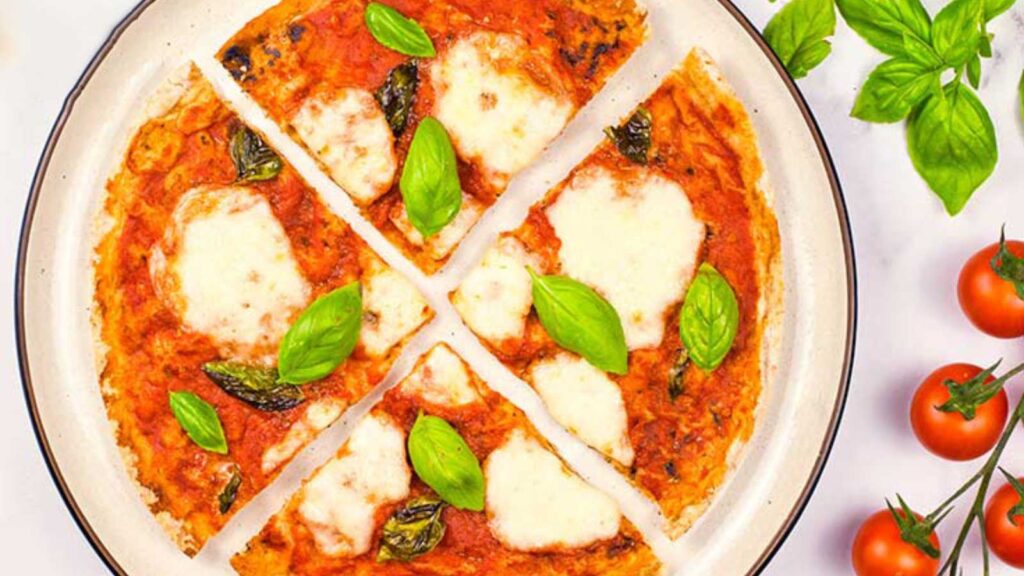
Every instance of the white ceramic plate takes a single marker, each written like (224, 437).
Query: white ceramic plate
(800, 407)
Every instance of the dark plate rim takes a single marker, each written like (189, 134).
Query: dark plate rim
(69, 102)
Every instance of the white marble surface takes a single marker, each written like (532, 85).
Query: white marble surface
(908, 252)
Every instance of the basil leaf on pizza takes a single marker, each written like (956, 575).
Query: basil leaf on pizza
(633, 138)
(709, 318)
(199, 420)
(413, 530)
(443, 460)
(226, 499)
(401, 34)
(257, 386)
(323, 336)
(397, 95)
(430, 179)
(580, 320)
(254, 160)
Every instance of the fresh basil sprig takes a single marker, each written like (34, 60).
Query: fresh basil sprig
(798, 34)
(323, 336)
(430, 179)
(952, 143)
(199, 420)
(443, 460)
(578, 319)
(709, 318)
(401, 34)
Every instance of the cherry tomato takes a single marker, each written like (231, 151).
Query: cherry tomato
(878, 550)
(1005, 539)
(990, 302)
(949, 434)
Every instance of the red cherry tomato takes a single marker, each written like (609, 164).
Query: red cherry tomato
(949, 434)
(990, 302)
(879, 550)
(1005, 539)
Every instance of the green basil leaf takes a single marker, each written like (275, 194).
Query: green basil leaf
(430, 179)
(957, 31)
(893, 89)
(322, 337)
(921, 52)
(633, 138)
(797, 34)
(974, 71)
(254, 385)
(199, 420)
(397, 95)
(709, 318)
(883, 23)
(254, 160)
(994, 8)
(578, 319)
(443, 460)
(229, 494)
(952, 144)
(401, 34)
(413, 530)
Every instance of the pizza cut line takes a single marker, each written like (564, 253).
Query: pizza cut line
(369, 511)
(214, 247)
(503, 78)
(666, 223)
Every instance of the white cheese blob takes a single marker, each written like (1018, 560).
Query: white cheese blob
(319, 415)
(339, 503)
(441, 244)
(497, 115)
(442, 378)
(350, 136)
(586, 401)
(226, 268)
(634, 239)
(495, 297)
(534, 502)
(392, 309)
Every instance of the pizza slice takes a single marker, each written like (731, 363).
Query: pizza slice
(446, 477)
(238, 316)
(354, 81)
(635, 296)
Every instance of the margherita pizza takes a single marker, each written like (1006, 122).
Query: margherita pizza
(353, 81)
(238, 315)
(445, 477)
(634, 298)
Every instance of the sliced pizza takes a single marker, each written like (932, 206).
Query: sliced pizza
(354, 83)
(237, 316)
(446, 477)
(635, 297)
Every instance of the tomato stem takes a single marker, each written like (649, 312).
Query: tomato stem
(977, 510)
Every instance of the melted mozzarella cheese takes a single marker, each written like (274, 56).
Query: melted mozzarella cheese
(534, 502)
(634, 239)
(441, 244)
(495, 298)
(319, 415)
(495, 112)
(350, 136)
(340, 501)
(392, 309)
(226, 268)
(585, 401)
(442, 378)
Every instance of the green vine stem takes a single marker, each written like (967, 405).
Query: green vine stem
(984, 475)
